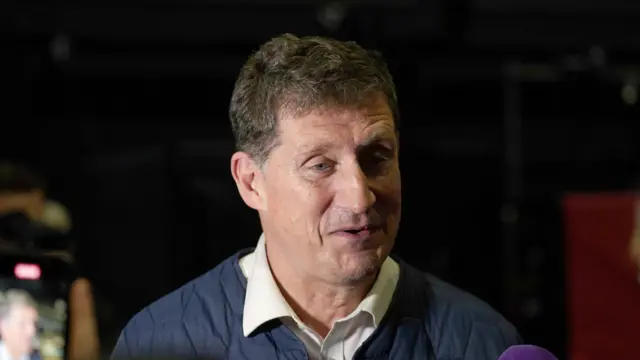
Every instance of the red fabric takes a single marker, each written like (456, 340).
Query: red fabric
(603, 301)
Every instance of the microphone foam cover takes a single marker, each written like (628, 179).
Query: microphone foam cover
(526, 352)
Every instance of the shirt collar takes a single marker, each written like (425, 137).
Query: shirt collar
(379, 297)
(264, 301)
(4, 353)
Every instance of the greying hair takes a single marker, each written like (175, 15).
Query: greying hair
(293, 76)
(14, 297)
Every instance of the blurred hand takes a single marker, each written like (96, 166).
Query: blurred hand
(83, 328)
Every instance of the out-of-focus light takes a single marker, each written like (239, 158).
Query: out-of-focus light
(332, 15)
(27, 271)
(629, 94)
(60, 48)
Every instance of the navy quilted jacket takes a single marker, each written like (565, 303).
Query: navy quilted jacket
(428, 319)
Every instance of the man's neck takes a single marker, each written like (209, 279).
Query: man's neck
(318, 304)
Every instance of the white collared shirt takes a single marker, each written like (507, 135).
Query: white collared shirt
(4, 353)
(264, 302)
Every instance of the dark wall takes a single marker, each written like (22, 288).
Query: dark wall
(130, 126)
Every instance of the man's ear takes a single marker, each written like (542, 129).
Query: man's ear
(248, 177)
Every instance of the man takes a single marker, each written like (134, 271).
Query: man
(18, 317)
(315, 123)
(83, 339)
(23, 192)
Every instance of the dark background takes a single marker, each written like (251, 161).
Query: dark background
(506, 105)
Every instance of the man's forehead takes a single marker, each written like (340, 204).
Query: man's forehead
(22, 308)
(327, 139)
(324, 138)
(367, 122)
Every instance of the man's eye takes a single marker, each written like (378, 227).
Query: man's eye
(321, 167)
(380, 156)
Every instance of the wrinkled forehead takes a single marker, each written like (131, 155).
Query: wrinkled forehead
(359, 125)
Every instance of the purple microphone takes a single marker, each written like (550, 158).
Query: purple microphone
(526, 352)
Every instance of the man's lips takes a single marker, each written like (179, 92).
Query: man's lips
(358, 232)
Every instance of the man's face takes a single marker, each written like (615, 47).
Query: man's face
(332, 192)
(18, 328)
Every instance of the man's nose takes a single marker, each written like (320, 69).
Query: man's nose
(355, 190)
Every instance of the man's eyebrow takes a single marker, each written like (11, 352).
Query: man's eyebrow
(324, 147)
(310, 150)
(378, 137)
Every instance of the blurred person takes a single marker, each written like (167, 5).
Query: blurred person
(634, 244)
(23, 191)
(18, 320)
(602, 281)
(84, 343)
(315, 124)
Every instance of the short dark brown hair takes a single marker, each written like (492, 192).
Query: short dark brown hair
(296, 75)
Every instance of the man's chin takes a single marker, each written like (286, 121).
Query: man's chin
(361, 277)
(362, 270)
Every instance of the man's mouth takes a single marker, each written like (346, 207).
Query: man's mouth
(359, 232)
